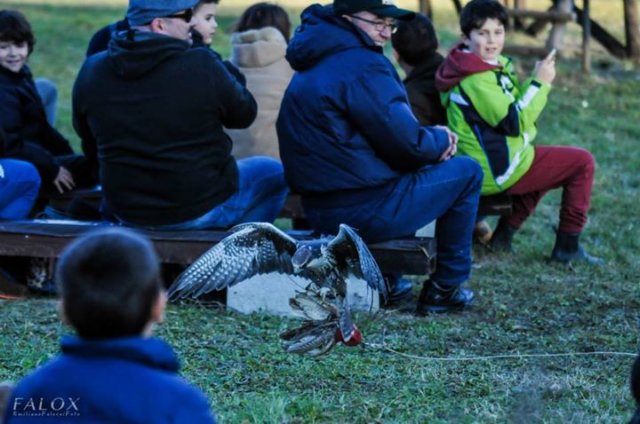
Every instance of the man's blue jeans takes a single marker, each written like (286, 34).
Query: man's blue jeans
(19, 185)
(448, 191)
(261, 194)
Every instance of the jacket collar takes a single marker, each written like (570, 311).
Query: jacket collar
(151, 351)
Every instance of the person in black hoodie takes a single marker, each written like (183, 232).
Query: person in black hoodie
(99, 41)
(28, 134)
(414, 46)
(151, 111)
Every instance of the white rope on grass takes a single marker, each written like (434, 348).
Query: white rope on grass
(383, 346)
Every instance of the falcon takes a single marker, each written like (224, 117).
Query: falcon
(324, 265)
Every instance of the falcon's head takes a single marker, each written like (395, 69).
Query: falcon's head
(352, 339)
(307, 255)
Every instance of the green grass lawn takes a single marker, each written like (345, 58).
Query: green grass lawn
(412, 370)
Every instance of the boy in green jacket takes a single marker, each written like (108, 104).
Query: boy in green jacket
(495, 119)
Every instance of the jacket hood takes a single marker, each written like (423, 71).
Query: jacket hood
(135, 53)
(426, 70)
(150, 351)
(257, 48)
(459, 64)
(321, 34)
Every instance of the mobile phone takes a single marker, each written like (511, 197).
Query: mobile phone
(552, 54)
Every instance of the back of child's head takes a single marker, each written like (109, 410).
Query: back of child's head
(415, 40)
(261, 15)
(109, 280)
(475, 13)
(15, 28)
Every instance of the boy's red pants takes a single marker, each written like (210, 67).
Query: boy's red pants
(571, 168)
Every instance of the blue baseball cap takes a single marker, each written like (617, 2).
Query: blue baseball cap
(382, 8)
(142, 12)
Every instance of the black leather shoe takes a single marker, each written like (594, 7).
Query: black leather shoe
(39, 279)
(399, 289)
(437, 300)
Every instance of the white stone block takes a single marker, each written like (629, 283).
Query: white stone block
(270, 293)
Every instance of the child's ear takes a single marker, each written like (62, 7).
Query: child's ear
(158, 307)
(465, 40)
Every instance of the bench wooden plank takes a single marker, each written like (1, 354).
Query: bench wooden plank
(47, 238)
(497, 204)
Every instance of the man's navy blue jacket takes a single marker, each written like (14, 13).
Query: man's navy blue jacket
(345, 123)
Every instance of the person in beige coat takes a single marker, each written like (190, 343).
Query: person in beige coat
(258, 50)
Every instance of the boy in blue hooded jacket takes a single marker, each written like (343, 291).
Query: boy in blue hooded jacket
(113, 371)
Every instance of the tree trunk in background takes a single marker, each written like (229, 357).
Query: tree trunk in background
(632, 29)
(560, 28)
(426, 8)
(586, 38)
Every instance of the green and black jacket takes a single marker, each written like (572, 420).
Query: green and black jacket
(493, 114)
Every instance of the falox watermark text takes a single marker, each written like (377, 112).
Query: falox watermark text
(46, 407)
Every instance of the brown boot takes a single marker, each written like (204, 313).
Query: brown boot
(482, 232)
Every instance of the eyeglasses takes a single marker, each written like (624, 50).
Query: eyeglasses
(185, 15)
(378, 25)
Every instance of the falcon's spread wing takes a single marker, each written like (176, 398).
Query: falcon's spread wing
(255, 248)
(352, 254)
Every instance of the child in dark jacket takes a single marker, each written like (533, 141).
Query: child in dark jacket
(113, 371)
(415, 47)
(29, 136)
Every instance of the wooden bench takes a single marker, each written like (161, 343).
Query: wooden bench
(47, 238)
(498, 204)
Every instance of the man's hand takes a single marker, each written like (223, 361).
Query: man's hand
(64, 180)
(545, 69)
(453, 144)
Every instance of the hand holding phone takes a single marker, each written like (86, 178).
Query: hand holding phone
(545, 69)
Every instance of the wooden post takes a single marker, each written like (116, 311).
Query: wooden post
(518, 25)
(559, 28)
(426, 8)
(458, 6)
(586, 38)
(632, 29)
